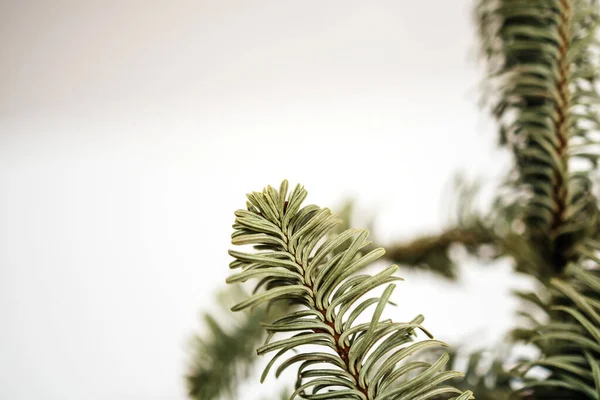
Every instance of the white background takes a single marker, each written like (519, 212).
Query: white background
(131, 130)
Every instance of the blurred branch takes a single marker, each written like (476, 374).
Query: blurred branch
(469, 228)
(431, 252)
(484, 373)
(225, 355)
(486, 235)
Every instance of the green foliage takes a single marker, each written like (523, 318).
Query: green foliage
(486, 235)
(484, 373)
(488, 382)
(431, 252)
(296, 264)
(216, 354)
(568, 335)
(224, 356)
(468, 228)
(542, 83)
(543, 58)
(542, 87)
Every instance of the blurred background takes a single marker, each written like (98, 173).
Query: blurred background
(131, 130)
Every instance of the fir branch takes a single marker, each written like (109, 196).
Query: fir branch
(543, 66)
(297, 265)
(484, 374)
(428, 252)
(431, 252)
(540, 56)
(479, 233)
(224, 356)
(568, 337)
(219, 364)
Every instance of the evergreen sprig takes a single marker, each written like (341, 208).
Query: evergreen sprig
(543, 60)
(541, 57)
(297, 263)
(484, 373)
(432, 252)
(568, 336)
(468, 228)
(543, 63)
(224, 355)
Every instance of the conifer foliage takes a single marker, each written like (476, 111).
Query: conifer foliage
(323, 278)
(543, 69)
(542, 79)
(542, 59)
